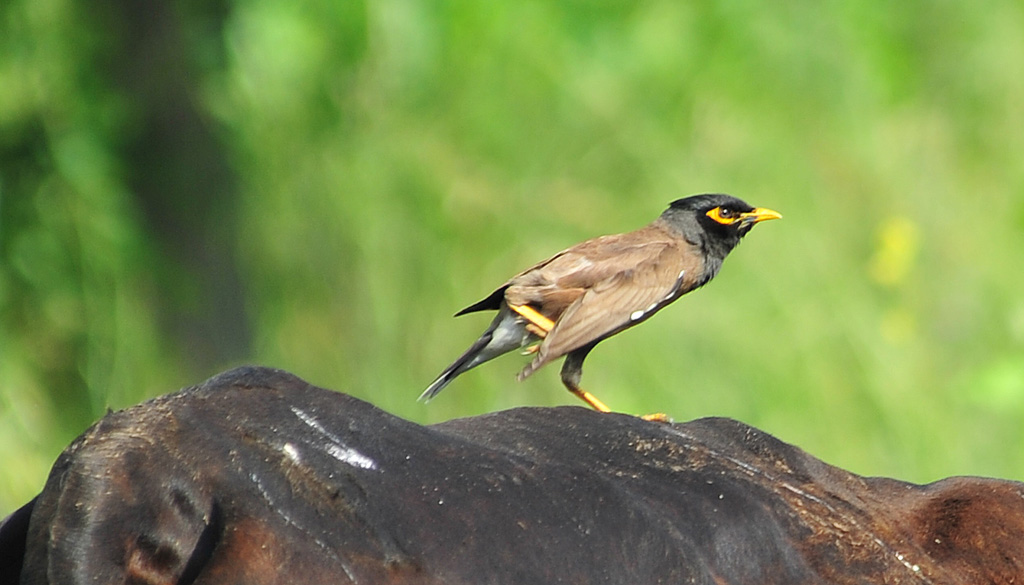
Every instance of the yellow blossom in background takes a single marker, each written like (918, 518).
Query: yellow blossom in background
(896, 250)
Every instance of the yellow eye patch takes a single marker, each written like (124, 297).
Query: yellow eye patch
(724, 215)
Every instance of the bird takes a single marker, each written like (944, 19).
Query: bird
(567, 304)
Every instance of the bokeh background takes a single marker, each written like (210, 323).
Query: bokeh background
(317, 185)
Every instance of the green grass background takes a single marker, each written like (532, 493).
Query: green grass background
(357, 171)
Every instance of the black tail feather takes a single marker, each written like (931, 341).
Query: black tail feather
(457, 367)
(491, 303)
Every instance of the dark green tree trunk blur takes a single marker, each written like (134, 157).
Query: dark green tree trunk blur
(178, 169)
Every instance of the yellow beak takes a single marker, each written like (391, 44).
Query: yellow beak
(759, 214)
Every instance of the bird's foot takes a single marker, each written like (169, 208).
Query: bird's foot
(602, 407)
(660, 417)
(531, 349)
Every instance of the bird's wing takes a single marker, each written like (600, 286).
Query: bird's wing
(569, 273)
(532, 278)
(646, 280)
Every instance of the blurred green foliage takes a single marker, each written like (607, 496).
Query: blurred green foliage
(319, 185)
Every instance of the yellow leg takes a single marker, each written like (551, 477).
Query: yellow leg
(536, 330)
(540, 326)
(590, 399)
(602, 407)
(537, 324)
(530, 314)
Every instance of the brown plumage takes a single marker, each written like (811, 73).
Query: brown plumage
(593, 290)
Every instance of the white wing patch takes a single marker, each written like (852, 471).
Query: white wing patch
(637, 315)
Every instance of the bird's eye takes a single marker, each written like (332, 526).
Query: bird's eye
(723, 215)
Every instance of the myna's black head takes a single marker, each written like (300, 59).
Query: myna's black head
(715, 222)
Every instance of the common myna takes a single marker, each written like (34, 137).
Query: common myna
(568, 303)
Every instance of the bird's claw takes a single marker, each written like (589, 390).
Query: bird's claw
(531, 349)
(660, 417)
